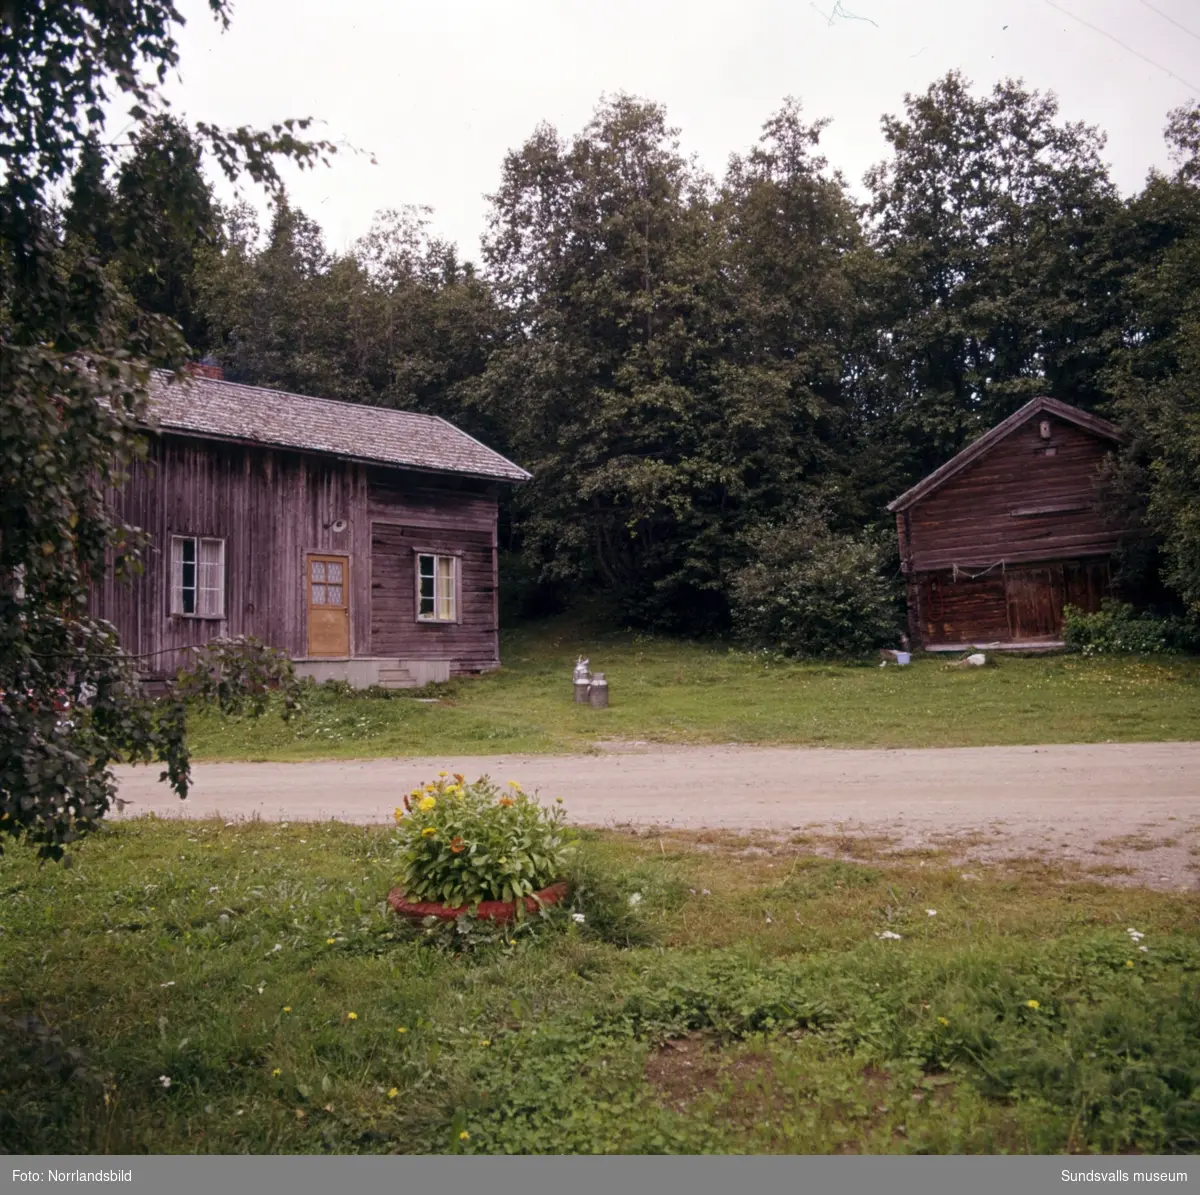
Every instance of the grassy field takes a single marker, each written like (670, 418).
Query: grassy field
(223, 989)
(672, 692)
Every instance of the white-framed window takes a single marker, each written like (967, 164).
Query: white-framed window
(437, 587)
(197, 576)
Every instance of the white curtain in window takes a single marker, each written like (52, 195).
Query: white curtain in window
(445, 588)
(211, 579)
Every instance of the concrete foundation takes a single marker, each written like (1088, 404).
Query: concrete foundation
(366, 671)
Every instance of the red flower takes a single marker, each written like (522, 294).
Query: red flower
(457, 846)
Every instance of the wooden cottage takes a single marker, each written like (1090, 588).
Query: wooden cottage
(360, 540)
(995, 542)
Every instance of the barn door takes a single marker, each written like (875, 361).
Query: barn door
(1035, 602)
(327, 586)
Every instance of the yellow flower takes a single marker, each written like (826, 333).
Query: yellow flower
(443, 773)
(416, 792)
(352, 1016)
(398, 814)
(401, 1029)
(275, 1071)
(329, 941)
(428, 832)
(514, 784)
(428, 803)
(464, 1136)
(287, 1008)
(1032, 1004)
(943, 1021)
(483, 1041)
(1129, 962)
(558, 800)
(395, 1091)
(502, 859)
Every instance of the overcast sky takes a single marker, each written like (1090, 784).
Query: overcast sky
(439, 90)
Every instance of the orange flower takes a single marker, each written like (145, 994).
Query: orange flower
(460, 778)
(506, 801)
(457, 846)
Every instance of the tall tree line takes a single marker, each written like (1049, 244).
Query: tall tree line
(689, 365)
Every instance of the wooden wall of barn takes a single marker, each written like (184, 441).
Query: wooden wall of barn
(989, 511)
(272, 508)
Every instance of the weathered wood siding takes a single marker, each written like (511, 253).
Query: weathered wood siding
(406, 521)
(1022, 604)
(985, 514)
(272, 508)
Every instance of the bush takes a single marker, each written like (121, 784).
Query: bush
(814, 593)
(465, 843)
(1119, 629)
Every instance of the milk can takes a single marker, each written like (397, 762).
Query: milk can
(598, 694)
(583, 681)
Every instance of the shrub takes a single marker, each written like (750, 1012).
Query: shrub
(1119, 629)
(463, 843)
(811, 592)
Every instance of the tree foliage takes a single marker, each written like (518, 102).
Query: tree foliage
(74, 352)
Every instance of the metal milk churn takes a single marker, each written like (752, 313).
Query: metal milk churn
(583, 681)
(598, 694)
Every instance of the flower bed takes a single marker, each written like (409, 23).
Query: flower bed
(474, 848)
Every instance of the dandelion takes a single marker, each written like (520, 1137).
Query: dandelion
(443, 773)
(483, 1041)
(330, 941)
(943, 1021)
(395, 1091)
(276, 1072)
(558, 800)
(1129, 962)
(401, 1028)
(428, 803)
(1032, 1004)
(464, 1136)
(398, 814)
(514, 784)
(352, 1016)
(428, 832)
(457, 846)
(164, 1081)
(287, 1008)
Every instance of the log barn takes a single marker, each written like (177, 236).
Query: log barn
(360, 540)
(998, 540)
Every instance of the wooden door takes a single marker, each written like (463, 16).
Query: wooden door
(327, 588)
(1086, 584)
(1035, 602)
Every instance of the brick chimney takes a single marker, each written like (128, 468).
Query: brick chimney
(205, 369)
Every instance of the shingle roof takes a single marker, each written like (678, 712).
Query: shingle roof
(1036, 406)
(378, 435)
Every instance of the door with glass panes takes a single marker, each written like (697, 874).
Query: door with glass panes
(327, 589)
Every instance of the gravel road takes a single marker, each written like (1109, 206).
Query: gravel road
(1111, 806)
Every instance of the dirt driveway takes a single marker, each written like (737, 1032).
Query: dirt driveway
(1108, 807)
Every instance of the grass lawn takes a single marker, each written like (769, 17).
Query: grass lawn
(745, 1003)
(672, 692)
